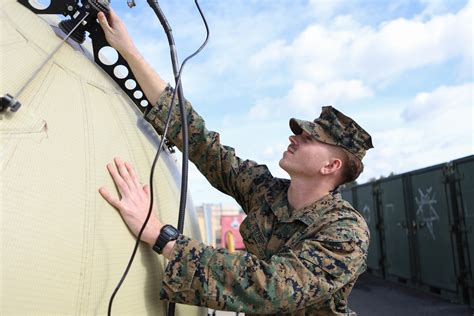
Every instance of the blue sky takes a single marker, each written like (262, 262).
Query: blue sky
(402, 69)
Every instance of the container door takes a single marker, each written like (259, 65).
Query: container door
(393, 208)
(437, 267)
(466, 175)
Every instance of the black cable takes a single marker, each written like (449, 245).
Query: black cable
(172, 306)
(184, 126)
(160, 146)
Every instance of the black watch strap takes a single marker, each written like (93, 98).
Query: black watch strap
(167, 234)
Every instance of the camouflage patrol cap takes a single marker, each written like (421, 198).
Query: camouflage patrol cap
(334, 128)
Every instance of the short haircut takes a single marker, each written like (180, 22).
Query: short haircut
(352, 167)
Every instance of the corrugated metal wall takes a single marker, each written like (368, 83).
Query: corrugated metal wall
(422, 228)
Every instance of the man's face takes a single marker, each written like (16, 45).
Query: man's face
(305, 156)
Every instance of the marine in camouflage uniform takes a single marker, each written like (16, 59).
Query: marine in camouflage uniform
(301, 261)
(297, 261)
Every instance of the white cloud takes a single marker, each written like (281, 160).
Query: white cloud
(436, 127)
(346, 49)
(252, 47)
(306, 98)
(402, 45)
(444, 103)
(345, 61)
(273, 52)
(309, 97)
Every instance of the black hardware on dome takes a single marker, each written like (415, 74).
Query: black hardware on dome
(91, 6)
(8, 101)
(75, 10)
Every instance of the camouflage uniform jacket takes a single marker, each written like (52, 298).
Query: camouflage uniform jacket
(297, 262)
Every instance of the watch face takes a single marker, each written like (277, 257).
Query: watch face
(170, 231)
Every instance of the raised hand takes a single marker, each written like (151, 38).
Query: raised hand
(133, 202)
(116, 33)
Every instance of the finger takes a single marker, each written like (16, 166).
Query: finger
(109, 198)
(133, 175)
(124, 173)
(103, 21)
(119, 181)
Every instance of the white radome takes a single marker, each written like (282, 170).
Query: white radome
(63, 248)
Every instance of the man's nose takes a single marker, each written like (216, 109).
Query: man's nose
(292, 139)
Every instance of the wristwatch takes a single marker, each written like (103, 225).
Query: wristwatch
(167, 234)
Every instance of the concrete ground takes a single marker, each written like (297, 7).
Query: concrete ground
(373, 296)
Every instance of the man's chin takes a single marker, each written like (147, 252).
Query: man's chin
(282, 163)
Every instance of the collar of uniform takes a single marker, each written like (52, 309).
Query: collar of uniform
(277, 199)
(309, 214)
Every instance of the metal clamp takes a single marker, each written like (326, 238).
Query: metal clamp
(9, 102)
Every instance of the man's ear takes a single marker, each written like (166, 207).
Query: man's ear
(331, 166)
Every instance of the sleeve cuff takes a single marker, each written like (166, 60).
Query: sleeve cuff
(186, 257)
(158, 113)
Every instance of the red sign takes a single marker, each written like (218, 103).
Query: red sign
(230, 225)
